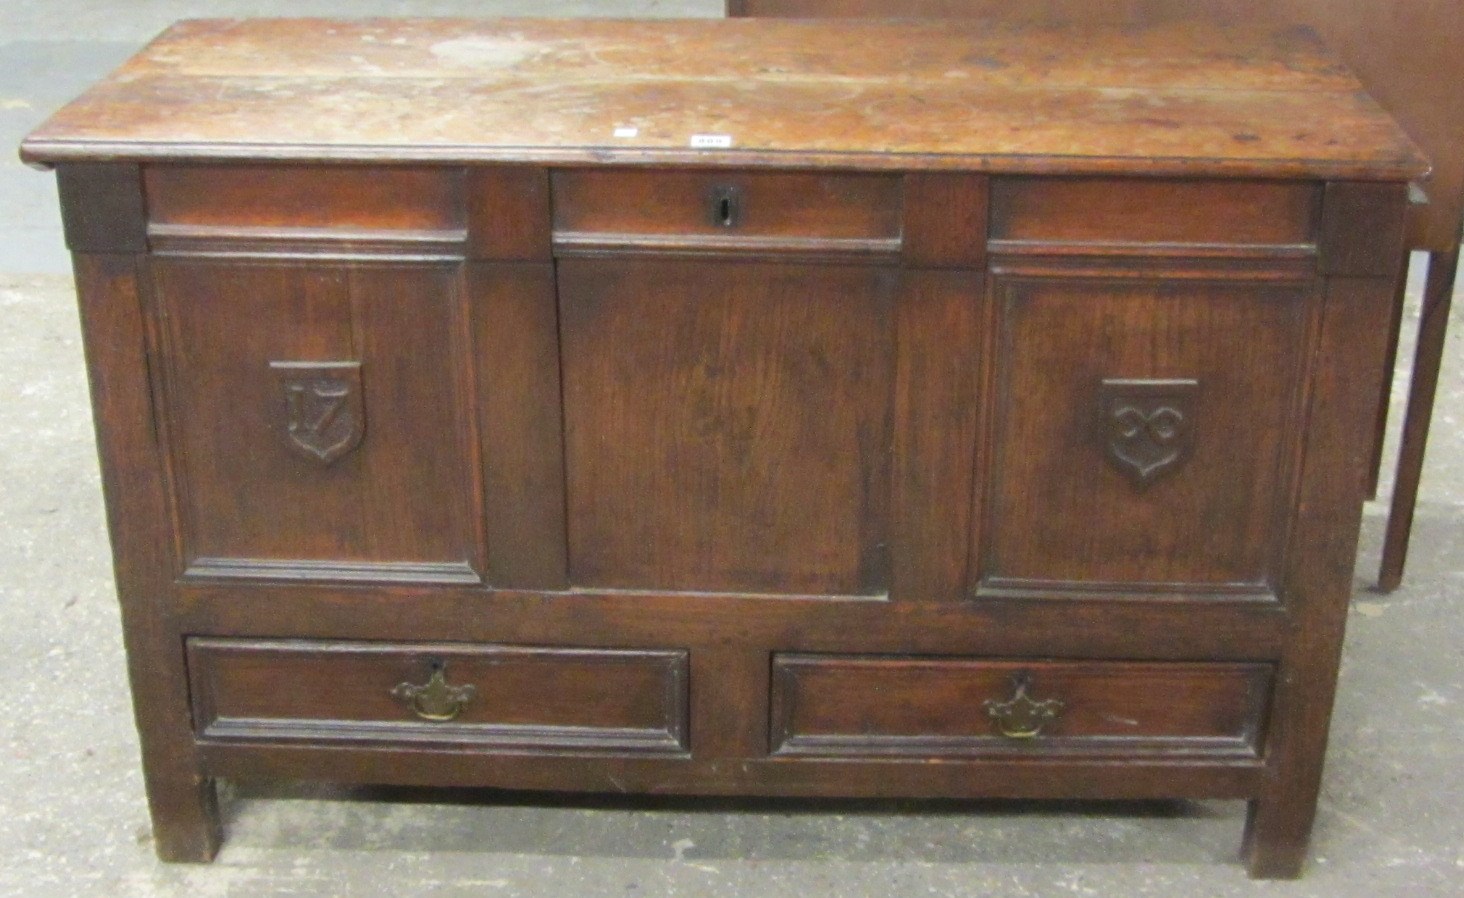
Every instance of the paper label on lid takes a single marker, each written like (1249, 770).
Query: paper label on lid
(626, 132)
(710, 141)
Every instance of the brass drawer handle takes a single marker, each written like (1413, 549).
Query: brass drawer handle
(435, 700)
(1019, 717)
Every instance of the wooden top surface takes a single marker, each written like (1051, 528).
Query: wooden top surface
(1177, 99)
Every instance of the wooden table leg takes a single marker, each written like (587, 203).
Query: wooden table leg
(1380, 429)
(1437, 297)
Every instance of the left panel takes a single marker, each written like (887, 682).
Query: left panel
(318, 422)
(316, 376)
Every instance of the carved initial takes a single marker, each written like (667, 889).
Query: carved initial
(323, 415)
(1147, 425)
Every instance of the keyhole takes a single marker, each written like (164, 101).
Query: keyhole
(724, 207)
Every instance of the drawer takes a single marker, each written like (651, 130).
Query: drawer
(526, 699)
(856, 706)
(1157, 212)
(598, 209)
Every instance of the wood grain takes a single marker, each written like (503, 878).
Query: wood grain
(756, 469)
(1348, 376)
(854, 706)
(1060, 514)
(527, 699)
(516, 350)
(1408, 55)
(698, 397)
(1180, 99)
(250, 506)
(180, 797)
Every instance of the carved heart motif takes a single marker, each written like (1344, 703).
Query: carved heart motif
(1148, 425)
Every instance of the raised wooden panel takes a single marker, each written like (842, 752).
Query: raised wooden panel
(1139, 436)
(515, 697)
(698, 212)
(856, 706)
(1147, 211)
(265, 361)
(727, 425)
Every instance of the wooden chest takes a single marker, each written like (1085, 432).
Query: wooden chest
(723, 408)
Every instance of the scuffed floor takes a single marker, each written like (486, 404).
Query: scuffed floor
(72, 816)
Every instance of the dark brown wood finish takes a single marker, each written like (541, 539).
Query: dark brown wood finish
(1347, 378)
(1438, 298)
(952, 96)
(935, 406)
(600, 210)
(508, 213)
(1149, 213)
(945, 221)
(516, 349)
(1038, 776)
(1409, 54)
(1364, 230)
(522, 698)
(102, 207)
(254, 506)
(860, 706)
(728, 425)
(115, 334)
(1385, 395)
(1073, 501)
(828, 463)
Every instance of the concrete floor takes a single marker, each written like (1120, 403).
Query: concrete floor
(72, 816)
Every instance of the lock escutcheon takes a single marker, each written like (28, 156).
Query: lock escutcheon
(726, 201)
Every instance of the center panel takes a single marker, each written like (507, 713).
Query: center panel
(727, 425)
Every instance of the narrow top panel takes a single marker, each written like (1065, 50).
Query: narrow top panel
(1180, 99)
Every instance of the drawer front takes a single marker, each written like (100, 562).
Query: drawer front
(1152, 212)
(521, 698)
(854, 706)
(680, 209)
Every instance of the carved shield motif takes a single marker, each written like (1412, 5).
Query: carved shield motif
(1148, 425)
(321, 410)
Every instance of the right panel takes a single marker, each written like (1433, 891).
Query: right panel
(1138, 433)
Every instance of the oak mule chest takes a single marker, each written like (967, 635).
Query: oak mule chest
(724, 408)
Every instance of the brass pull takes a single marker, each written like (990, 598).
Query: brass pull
(435, 700)
(1019, 717)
